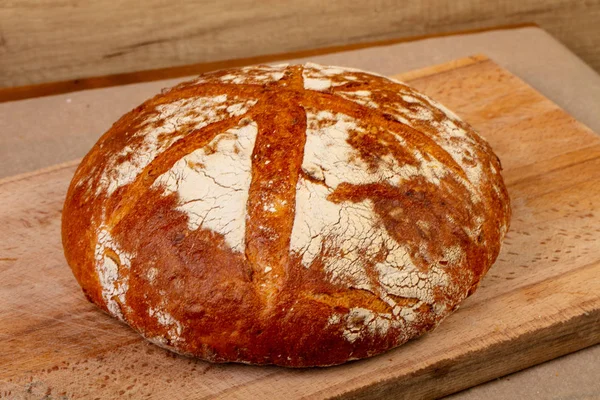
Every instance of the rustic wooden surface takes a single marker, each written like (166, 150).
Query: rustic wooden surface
(57, 40)
(540, 300)
(12, 93)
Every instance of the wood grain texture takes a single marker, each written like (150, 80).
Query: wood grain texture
(540, 300)
(58, 40)
(148, 75)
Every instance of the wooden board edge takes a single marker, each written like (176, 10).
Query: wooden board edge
(468, 370)
(41, 171)
(441, 68)
(471, 61)
(53, 88)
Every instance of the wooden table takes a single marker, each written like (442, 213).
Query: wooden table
(38, 134)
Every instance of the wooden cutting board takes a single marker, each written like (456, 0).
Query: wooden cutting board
(540, 300)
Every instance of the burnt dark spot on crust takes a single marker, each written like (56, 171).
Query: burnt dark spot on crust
(178, 237)
(388, 117)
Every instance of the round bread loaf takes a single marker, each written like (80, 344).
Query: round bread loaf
(297, 215)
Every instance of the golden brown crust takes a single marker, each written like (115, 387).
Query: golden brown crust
(290, 215)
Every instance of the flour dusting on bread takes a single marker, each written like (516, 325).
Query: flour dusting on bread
(168, 124)
(212, 184)
(112, 267)
(296, 215)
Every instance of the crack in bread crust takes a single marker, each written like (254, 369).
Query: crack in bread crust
(290, 215)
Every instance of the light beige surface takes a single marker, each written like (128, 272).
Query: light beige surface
(51, 40)
(540, 300)
(40, 132)
(572, 377)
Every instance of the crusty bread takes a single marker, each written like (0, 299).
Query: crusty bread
(291, 215)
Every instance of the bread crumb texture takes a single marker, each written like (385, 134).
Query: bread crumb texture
(297, 215)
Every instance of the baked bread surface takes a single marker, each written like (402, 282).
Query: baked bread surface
(298, 215)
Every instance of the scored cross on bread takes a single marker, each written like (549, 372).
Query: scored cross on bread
(297, 215)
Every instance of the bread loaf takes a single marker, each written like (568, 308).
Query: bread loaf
(297, 215)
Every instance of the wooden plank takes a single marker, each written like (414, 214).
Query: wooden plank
(540, 300)
(57, 40)
(53, 88)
